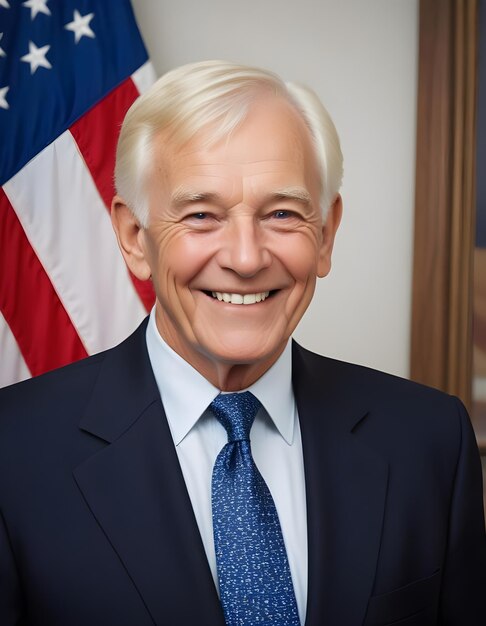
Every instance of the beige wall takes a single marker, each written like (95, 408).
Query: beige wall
(361, 58)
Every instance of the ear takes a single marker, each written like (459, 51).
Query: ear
(329, 230)
(130, 236)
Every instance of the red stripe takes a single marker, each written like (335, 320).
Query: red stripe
(96, 134)
(44, 333)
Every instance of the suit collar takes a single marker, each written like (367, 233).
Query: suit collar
(183, 410)
(135, 489)
(346, 484)
(124, 389)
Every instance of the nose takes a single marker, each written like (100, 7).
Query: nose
(243, 248)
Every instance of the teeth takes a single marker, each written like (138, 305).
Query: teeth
(238, 298)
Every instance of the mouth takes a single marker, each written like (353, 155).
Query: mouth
(240, 298)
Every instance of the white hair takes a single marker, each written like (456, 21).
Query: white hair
(190, 97)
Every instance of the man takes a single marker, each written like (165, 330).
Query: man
(129, 493)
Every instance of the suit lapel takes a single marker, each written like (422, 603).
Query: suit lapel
(346, 489)
(135, 489)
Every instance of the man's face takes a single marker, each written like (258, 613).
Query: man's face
(236, 239)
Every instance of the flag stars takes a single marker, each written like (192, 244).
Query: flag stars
(3, 97)
(36, 57)
(4, 4)
(2, 51)
(80, 25)
(36, 6)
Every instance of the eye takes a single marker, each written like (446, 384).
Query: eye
(199, 216)
(201, 220)
(283, 219)
(284, 214)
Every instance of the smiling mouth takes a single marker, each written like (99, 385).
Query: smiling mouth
(240, 298)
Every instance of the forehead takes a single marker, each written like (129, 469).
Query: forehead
(272, 140)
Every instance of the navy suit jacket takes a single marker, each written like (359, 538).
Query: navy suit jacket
(97, 528)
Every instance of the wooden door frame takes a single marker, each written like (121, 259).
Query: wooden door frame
(445, 198)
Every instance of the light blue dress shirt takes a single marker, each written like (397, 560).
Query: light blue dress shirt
(275, 440)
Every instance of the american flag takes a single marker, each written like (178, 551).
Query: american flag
(68, 73)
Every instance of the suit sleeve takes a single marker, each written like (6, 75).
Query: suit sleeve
(463, 593)
(10, 595)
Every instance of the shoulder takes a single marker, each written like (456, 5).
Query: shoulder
(62, 394)
(56, 400)
(368, 381)
(390, 407)
(43, 433)
(58, 395)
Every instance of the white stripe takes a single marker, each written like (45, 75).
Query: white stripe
(69, 228)
(14, 368)
(144, 77)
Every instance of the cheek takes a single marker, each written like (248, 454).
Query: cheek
(301, 258)
(181, 257)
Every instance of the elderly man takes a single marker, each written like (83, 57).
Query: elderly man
(130, 493)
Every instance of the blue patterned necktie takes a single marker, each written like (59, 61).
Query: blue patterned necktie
(254, 577)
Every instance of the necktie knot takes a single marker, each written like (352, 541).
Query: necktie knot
(236, 412)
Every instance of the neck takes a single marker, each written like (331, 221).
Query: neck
(224, 375)
(235, 377)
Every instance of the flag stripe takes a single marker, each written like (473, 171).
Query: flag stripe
(17, 369)
(65, 291)
(144, 77)
(96, 134)
(72, 235)
(29, 303)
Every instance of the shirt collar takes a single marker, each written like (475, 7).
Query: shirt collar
(175, 376)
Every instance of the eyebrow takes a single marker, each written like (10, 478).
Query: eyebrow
(182, 196)
(299, 194)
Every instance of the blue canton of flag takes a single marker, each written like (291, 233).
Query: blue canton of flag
(57, 59)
